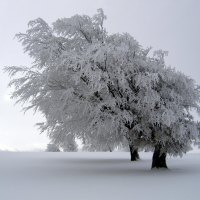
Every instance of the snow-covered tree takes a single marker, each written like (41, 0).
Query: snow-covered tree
(175, 128)
(103, 88)
(58, 83)
(52, 148)
(172, 128)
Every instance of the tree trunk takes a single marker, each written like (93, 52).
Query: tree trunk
(134, 153)
(159, 159)
(109, 149)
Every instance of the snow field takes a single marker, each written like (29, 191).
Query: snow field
(96, 176)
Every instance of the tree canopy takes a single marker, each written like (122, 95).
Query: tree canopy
(102, 88)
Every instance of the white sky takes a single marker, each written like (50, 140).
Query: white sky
(172, 25)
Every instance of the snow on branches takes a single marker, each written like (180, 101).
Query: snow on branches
(101, 88)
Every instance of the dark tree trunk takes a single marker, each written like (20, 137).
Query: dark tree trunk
(134, 153)
(110, 149)
(159, 159)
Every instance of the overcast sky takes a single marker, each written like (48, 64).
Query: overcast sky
(172, 25)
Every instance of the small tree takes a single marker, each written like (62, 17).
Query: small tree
(52, 148)
(179, 94)
(170, 128)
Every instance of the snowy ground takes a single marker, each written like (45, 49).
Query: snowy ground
(96, 176)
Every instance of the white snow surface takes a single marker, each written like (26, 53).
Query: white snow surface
(96, 176)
